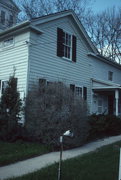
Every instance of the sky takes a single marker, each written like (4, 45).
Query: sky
(100, 5)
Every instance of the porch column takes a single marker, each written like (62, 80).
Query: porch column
(116, 98)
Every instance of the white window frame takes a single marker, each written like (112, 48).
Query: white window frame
(3, 21)
(9, 42)
(1, 86)
(100, 105)
(67, 46)
(80, 87)
(11, 20)
(110, 75)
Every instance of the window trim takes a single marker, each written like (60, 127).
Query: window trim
(110, 75)
(9, 44)
(66, 45)
(60, 45)
(100, 106)
(3, 17)
(81, 87)
(11, 20)
(1, 86)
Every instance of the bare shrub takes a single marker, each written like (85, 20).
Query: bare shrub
(52, 110)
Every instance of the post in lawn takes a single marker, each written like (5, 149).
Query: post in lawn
(67, 133)
(61, 150)
(120, 165)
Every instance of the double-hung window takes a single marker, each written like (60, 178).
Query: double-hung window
(8, 42)
(110, 75)
(78, 91)
(100, 106)
(66, 45)
(3, 85)
(3, 17)
(11, 20)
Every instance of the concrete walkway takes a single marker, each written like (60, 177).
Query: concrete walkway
(33, 164)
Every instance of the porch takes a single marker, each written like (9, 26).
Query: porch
(107, 100)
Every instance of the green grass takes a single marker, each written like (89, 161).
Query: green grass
(99, 165)
(13, 152)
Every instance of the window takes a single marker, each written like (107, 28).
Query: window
(3, 85)
(2, 17)
(8, 42)
(110, 75)
(78, 91)
(66, 45)
(11, 20)
(100, 106)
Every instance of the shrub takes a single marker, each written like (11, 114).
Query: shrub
(10, 107)
(104, 125)
(52, 110)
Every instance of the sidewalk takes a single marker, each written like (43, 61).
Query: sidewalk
(33, 164)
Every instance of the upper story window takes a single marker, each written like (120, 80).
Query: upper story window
(11, 20)
(8, 42)
(3, 17)
(66, 45)
(110, 75)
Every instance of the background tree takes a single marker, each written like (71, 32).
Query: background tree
(105, 31)
(36, 8)
(10, 107)
(54, 109)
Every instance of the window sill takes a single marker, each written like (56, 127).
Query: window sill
(68, 60)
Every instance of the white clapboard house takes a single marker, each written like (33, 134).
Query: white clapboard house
(56, 47)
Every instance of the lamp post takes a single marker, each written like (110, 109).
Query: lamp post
(67, 133)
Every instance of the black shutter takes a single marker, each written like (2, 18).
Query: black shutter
(72, 87)
(85, 93)
(42, 82)
(74, 48)
(60, 40)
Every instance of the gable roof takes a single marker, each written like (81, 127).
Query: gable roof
(10, 4)
(31, 25)
(70, 13)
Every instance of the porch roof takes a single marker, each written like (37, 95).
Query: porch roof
(106, 88)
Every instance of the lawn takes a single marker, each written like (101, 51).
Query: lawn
(99, 165)
(13, 152)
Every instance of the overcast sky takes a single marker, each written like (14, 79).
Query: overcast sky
(100, 5)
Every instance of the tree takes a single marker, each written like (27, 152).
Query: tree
(10, 106)
(105, 31)
(36, 8)
(52, 110)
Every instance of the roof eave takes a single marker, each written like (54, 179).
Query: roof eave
(106, 60)
(19, 28)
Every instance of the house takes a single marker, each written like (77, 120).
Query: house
(56, 47)
(8, 14)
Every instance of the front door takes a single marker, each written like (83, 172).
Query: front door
(110, 104)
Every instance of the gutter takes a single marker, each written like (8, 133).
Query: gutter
(105, 82)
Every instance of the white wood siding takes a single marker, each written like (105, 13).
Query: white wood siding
(99, 70)
(44, 63)
(15, 55)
